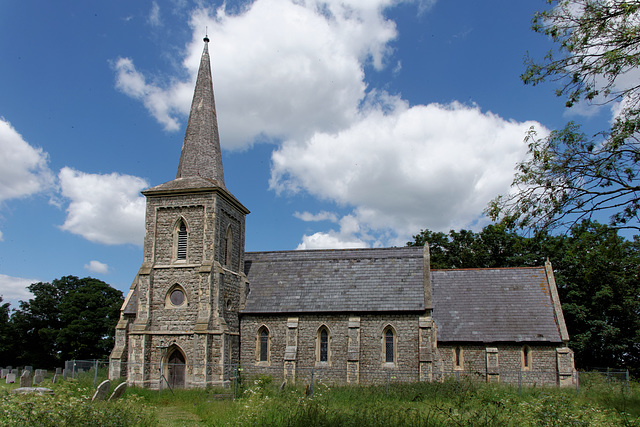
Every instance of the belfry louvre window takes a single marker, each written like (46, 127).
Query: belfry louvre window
(182, 241)
(388, 346)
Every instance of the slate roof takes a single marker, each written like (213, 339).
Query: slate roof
(469, 305)
(353, 280)
(494, 305)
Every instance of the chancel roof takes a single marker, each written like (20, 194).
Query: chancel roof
(472, 305)
(494, 305)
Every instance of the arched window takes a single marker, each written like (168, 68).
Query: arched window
(181, 250)
(323, 344)
(228, 248)
(263, 344)
(389, 345)
(526, 358)
(458, 361)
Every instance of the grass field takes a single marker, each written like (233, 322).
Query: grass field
(261, 402)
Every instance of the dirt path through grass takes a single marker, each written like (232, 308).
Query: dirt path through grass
(174, 416)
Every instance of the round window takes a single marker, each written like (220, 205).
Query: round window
(177, 297)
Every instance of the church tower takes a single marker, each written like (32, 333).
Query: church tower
(179, 322)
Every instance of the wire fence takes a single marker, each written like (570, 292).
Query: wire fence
(232, 379)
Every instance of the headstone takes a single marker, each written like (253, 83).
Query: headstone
(59, 371)
(10, 379)
(55, 378)
(15, 371)
(29, 368)
(26, 380)
(118, 392)
(4, 373)
(38, 390)
(101, 391)
(9, 367)
(38, 377)
(66, 373)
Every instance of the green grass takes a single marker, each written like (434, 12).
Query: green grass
(261, 402)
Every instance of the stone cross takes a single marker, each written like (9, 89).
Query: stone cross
(26, 380)
(101, 391)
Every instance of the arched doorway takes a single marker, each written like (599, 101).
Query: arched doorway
(176, 368)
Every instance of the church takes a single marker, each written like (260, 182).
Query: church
(200, 307)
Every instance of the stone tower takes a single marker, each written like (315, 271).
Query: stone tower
(179, 322)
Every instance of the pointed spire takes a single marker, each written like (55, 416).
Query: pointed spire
(201, 155)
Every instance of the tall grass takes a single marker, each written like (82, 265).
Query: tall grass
(461, 402)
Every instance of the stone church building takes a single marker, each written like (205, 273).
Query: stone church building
(200, 306)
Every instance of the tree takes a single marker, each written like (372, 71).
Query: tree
(69, 318)
(568, 176)
(5, 332)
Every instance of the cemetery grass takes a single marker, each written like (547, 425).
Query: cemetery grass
(261, 402)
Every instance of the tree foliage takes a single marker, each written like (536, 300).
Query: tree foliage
(597, 273)
(568, 176)
(69, 318)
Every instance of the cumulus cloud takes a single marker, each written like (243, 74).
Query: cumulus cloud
(406, 168)
(320, 216)
(294, 73)
(346, 237)
(104, 208)
(97, 267)
(1, 236)
(291, 67)
(23, 168)
(14, 289)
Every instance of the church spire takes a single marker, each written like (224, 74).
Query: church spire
(201, 155)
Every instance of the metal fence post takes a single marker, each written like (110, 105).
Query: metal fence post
(95, 374)
(519, 383)
(388, 383)
(311, 385)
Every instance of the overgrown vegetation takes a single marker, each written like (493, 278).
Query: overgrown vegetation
(71, 406)
(261, 401)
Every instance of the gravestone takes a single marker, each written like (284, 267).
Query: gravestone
(66, 373)
(29, 368)
(59, 371)
(101, 391)
(55, 378)
(9, 367)
(32, 390)
(26, 380)
(118, 392)
(4, 373)
(10, 378)
(38, 377)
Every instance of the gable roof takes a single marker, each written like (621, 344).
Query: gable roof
(354, 280)
(470, 305)
(494, 305)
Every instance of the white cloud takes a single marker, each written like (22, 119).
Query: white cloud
(281, 68)
(97, 267)
(347, 237)
(434, 166)
(1, 236)
(154, 15)
(104, 208)
(23, 168)
(320, 216)
(14, 289)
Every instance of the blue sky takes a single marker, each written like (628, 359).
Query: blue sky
(343, 123)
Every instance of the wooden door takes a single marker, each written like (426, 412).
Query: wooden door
(176, 369)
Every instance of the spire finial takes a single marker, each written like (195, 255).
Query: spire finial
(206, 37)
